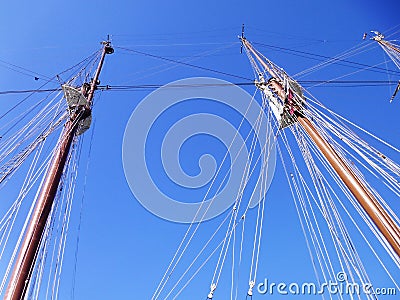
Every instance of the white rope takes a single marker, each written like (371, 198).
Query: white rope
(246, 209)
(346, 256)
(179, 253)
(290, 183)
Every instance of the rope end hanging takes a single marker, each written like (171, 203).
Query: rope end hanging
(212, 289)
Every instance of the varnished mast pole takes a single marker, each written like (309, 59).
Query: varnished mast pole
(23, 267)
(386, 225)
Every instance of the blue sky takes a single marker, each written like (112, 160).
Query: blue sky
(123, 248)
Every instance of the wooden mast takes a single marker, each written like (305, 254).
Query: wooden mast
(380, 39)
(23, 267)
(386, 225)
(387, 47)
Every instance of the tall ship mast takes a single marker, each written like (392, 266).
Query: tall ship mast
(332, 174)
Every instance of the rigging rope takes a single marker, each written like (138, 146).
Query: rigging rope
(175, 260)
(181, 63)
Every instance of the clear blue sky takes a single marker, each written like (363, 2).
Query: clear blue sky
(124, 249)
